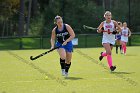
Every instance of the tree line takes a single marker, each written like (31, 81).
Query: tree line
(35, 17)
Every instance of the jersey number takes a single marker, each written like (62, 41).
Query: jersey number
(63, 37)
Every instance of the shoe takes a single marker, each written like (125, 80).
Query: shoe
(66, 74)
(112, 68)
(63, 72)
(101, 57)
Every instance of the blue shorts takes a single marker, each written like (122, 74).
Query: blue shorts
(118, 37)
(68, 47)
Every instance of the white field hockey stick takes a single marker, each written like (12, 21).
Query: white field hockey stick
(88, 27)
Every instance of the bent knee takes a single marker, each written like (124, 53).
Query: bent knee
(108, 53)
(63, 57)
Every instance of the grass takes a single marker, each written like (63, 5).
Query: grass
(87, 75)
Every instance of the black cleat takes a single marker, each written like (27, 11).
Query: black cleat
(112, 68)
(101, 57)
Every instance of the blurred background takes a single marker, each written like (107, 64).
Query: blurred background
(27, 24)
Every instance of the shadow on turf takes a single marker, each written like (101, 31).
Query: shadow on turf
(122, 72)
(130, 55)
(73, 78)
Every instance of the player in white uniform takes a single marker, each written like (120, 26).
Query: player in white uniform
(124, 37)
(108, 39)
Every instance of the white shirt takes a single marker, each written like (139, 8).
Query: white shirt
(124, 34)
(108, 38)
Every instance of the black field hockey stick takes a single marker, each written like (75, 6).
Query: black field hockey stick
(88, 27)
(36, 57)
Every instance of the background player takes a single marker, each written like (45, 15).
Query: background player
(108, 39)
(124, 37)
(118, 38)
(64, 34)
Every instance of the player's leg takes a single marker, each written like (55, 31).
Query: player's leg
(102, 54)
(108, 53)
(108, 49)
(62, 54)
(117, 45)
(125, 48)
(68, 62)
(69, 50)
(117, 49)
(120, 46)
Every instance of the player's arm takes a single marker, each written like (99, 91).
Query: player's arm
(129, 32)
(53, 38)
(118, 27)
(71, 32)
(100, 27)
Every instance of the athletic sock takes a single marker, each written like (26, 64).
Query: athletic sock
(120, 48)
(116, 49)
(124, 49)
(109, 59)
(67, 67)
(104, 54)
(62, 63)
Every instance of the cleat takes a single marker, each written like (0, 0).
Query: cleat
(112, 68)
(63, 72)
(66, 74)
(101, 57)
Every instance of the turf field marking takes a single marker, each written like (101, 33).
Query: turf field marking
(17, 81)
(110, 78)
(62, 82)
(23, 81)
(127, 79)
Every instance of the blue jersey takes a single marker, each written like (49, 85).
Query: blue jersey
(63, 35)
(118, 36)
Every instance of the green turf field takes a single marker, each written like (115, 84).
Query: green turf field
(87, 75)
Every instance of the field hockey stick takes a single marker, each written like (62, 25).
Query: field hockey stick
(36, 57)
(88, 27)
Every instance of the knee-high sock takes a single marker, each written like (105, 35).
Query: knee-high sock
(104, 54)
(62, 63)
(67, 67)
(109, 59)
(116, 48)
(120, 48)
(124, 49)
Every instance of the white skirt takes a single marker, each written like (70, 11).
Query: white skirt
(124, 39)
(108, 38)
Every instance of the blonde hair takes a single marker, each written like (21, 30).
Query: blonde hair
(107, 12)
(124, 23)
(56, 18)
